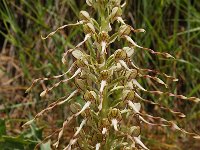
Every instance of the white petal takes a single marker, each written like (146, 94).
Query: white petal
(103, 47)
(114, 123)
(135, 106)
(119, 19)
(103, 84)
(124, 64)
(97, 146)
(129, 51)
(137, 140)
(131, 41)
(104, 131)
(100, 105)
(138, 85)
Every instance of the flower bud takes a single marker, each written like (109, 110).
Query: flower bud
(81, 63)
(116, 12)
(115, 113)
(81, 84)
(135, 131)
(115, 2)
(128, 95)
(86, 113)
(105, 122)
(84, 15)
(84, 74)
(89, 2)
(89, 28)
(43, 93)
(90, 96)
(104, 74)
(103, 36)
(124, 30)
(75, 107)
(77, 54)
(131, 74)
(129, 51)
(104, 125)
(120, 54)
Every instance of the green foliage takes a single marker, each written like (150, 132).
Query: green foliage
(24, 141)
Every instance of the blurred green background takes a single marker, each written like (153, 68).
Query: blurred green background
(171, 26)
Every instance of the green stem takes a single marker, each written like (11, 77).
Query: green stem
(102, 10)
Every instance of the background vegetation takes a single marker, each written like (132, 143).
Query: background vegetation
(172, 26)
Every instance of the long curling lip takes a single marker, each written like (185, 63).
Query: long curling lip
(72, 142)
(80, 127)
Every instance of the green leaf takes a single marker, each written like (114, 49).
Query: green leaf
(2, 127)
(16, 143)
(46, 146)
(77, 54)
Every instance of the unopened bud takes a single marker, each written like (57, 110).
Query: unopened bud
(120, 54)
(135, 131)
(128, 95)
(77, 54)
(129, 51)
(115, 2)
(116, 12)
(103, 36)
(86, 113)
(75, 107)
(139, 30)
(89, 28)
(90, 96)
(89, 2)
(43, 93)
(81, 84)
(80, 63)
(105, 122)
(124, 30)
(131, 74)
(115, 113)
(104, 74)
(84, 15)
